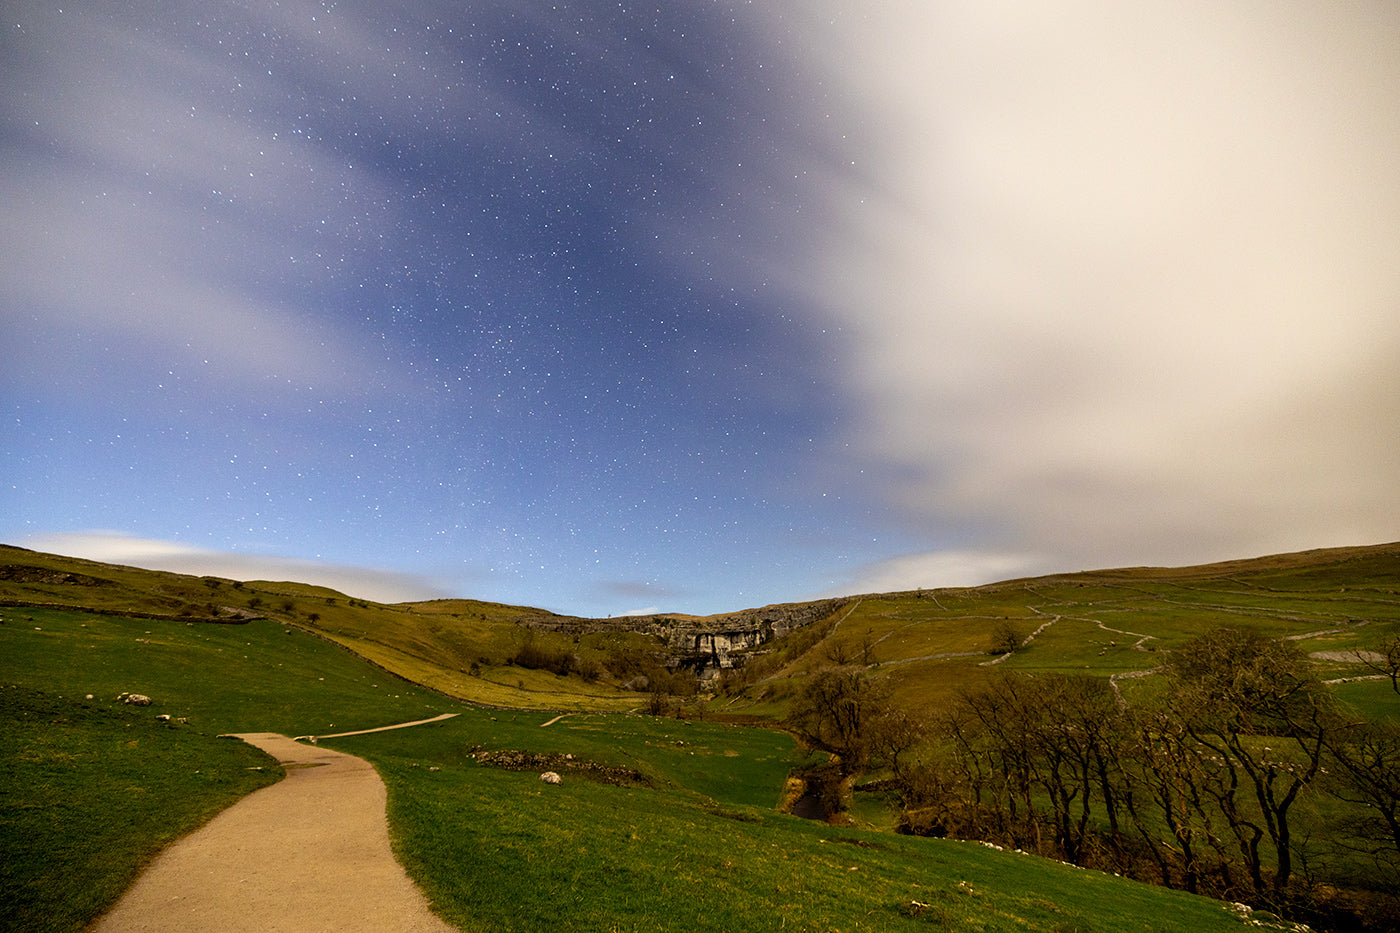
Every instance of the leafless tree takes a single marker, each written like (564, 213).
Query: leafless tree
(834, 713)
(1365, 764)
(1003, 638)
(1236, 690)
(1384, 660)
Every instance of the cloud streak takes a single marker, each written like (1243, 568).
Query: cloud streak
(1119, 282)
(737, 297)
(948, 567)
(153, 554)
(141, 210)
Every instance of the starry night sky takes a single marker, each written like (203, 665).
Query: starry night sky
(610, 307)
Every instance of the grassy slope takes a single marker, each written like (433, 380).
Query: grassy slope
(458, 647)
(1111, 622)
(254, 677)
(704, 850)
(91, 791)
(492, 845)
(930, 644)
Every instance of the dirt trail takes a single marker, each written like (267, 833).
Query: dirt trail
(310, 853)
(399, 725)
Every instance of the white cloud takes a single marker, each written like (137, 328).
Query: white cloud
(152, 554)
(1118, 281)
(936, 569)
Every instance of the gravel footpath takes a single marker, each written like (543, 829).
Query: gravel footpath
(310, 853)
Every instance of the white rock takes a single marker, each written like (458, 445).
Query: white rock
(549, 777)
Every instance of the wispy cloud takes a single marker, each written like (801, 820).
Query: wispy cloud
(153, 554)
(140, 211)
(613, 592)
(939, 569)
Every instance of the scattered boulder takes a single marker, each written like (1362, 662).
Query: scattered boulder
(163, 717)
(551, 777)
(136, 699)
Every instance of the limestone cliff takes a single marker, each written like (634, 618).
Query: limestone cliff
(710, 644)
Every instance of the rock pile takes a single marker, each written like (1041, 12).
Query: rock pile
(558, 765)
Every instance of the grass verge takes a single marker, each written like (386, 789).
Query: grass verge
(90, 792)
(502, 851)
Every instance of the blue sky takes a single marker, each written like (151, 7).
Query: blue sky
(691, 307)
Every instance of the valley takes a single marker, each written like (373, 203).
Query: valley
(703, 713)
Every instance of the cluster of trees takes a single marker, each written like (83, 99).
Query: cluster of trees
(635, 668)
(536, 657)
(849, 716)
(645, 670)
(1201, 789)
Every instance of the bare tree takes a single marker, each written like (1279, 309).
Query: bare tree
(834, 713)
(893, 733)
(1167, 774)
(1235, 686)
(1385, 660)
(1003, 638)
(1366, 772)
(867, 648)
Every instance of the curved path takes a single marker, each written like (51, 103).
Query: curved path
(310, 853)
(402, 725)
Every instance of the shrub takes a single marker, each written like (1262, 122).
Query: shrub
(534, 657)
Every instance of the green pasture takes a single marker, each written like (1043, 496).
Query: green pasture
(90, 791)
(704, 850)
(698, 847)
(258, 676)
(714, 763)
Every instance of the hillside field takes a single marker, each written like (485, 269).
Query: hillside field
(663, 822)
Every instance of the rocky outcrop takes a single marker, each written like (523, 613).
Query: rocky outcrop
(706, 645)
(722, 642)
(20, 573)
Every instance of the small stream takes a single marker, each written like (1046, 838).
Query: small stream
(821, 795)
(811, 806)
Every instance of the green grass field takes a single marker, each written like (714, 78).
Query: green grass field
(91, 789)
(703, 849)
(258, 676)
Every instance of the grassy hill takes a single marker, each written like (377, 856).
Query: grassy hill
(663, 823)
(932, 644)
(928, 643)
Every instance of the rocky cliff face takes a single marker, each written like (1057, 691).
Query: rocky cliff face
(711, 644)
